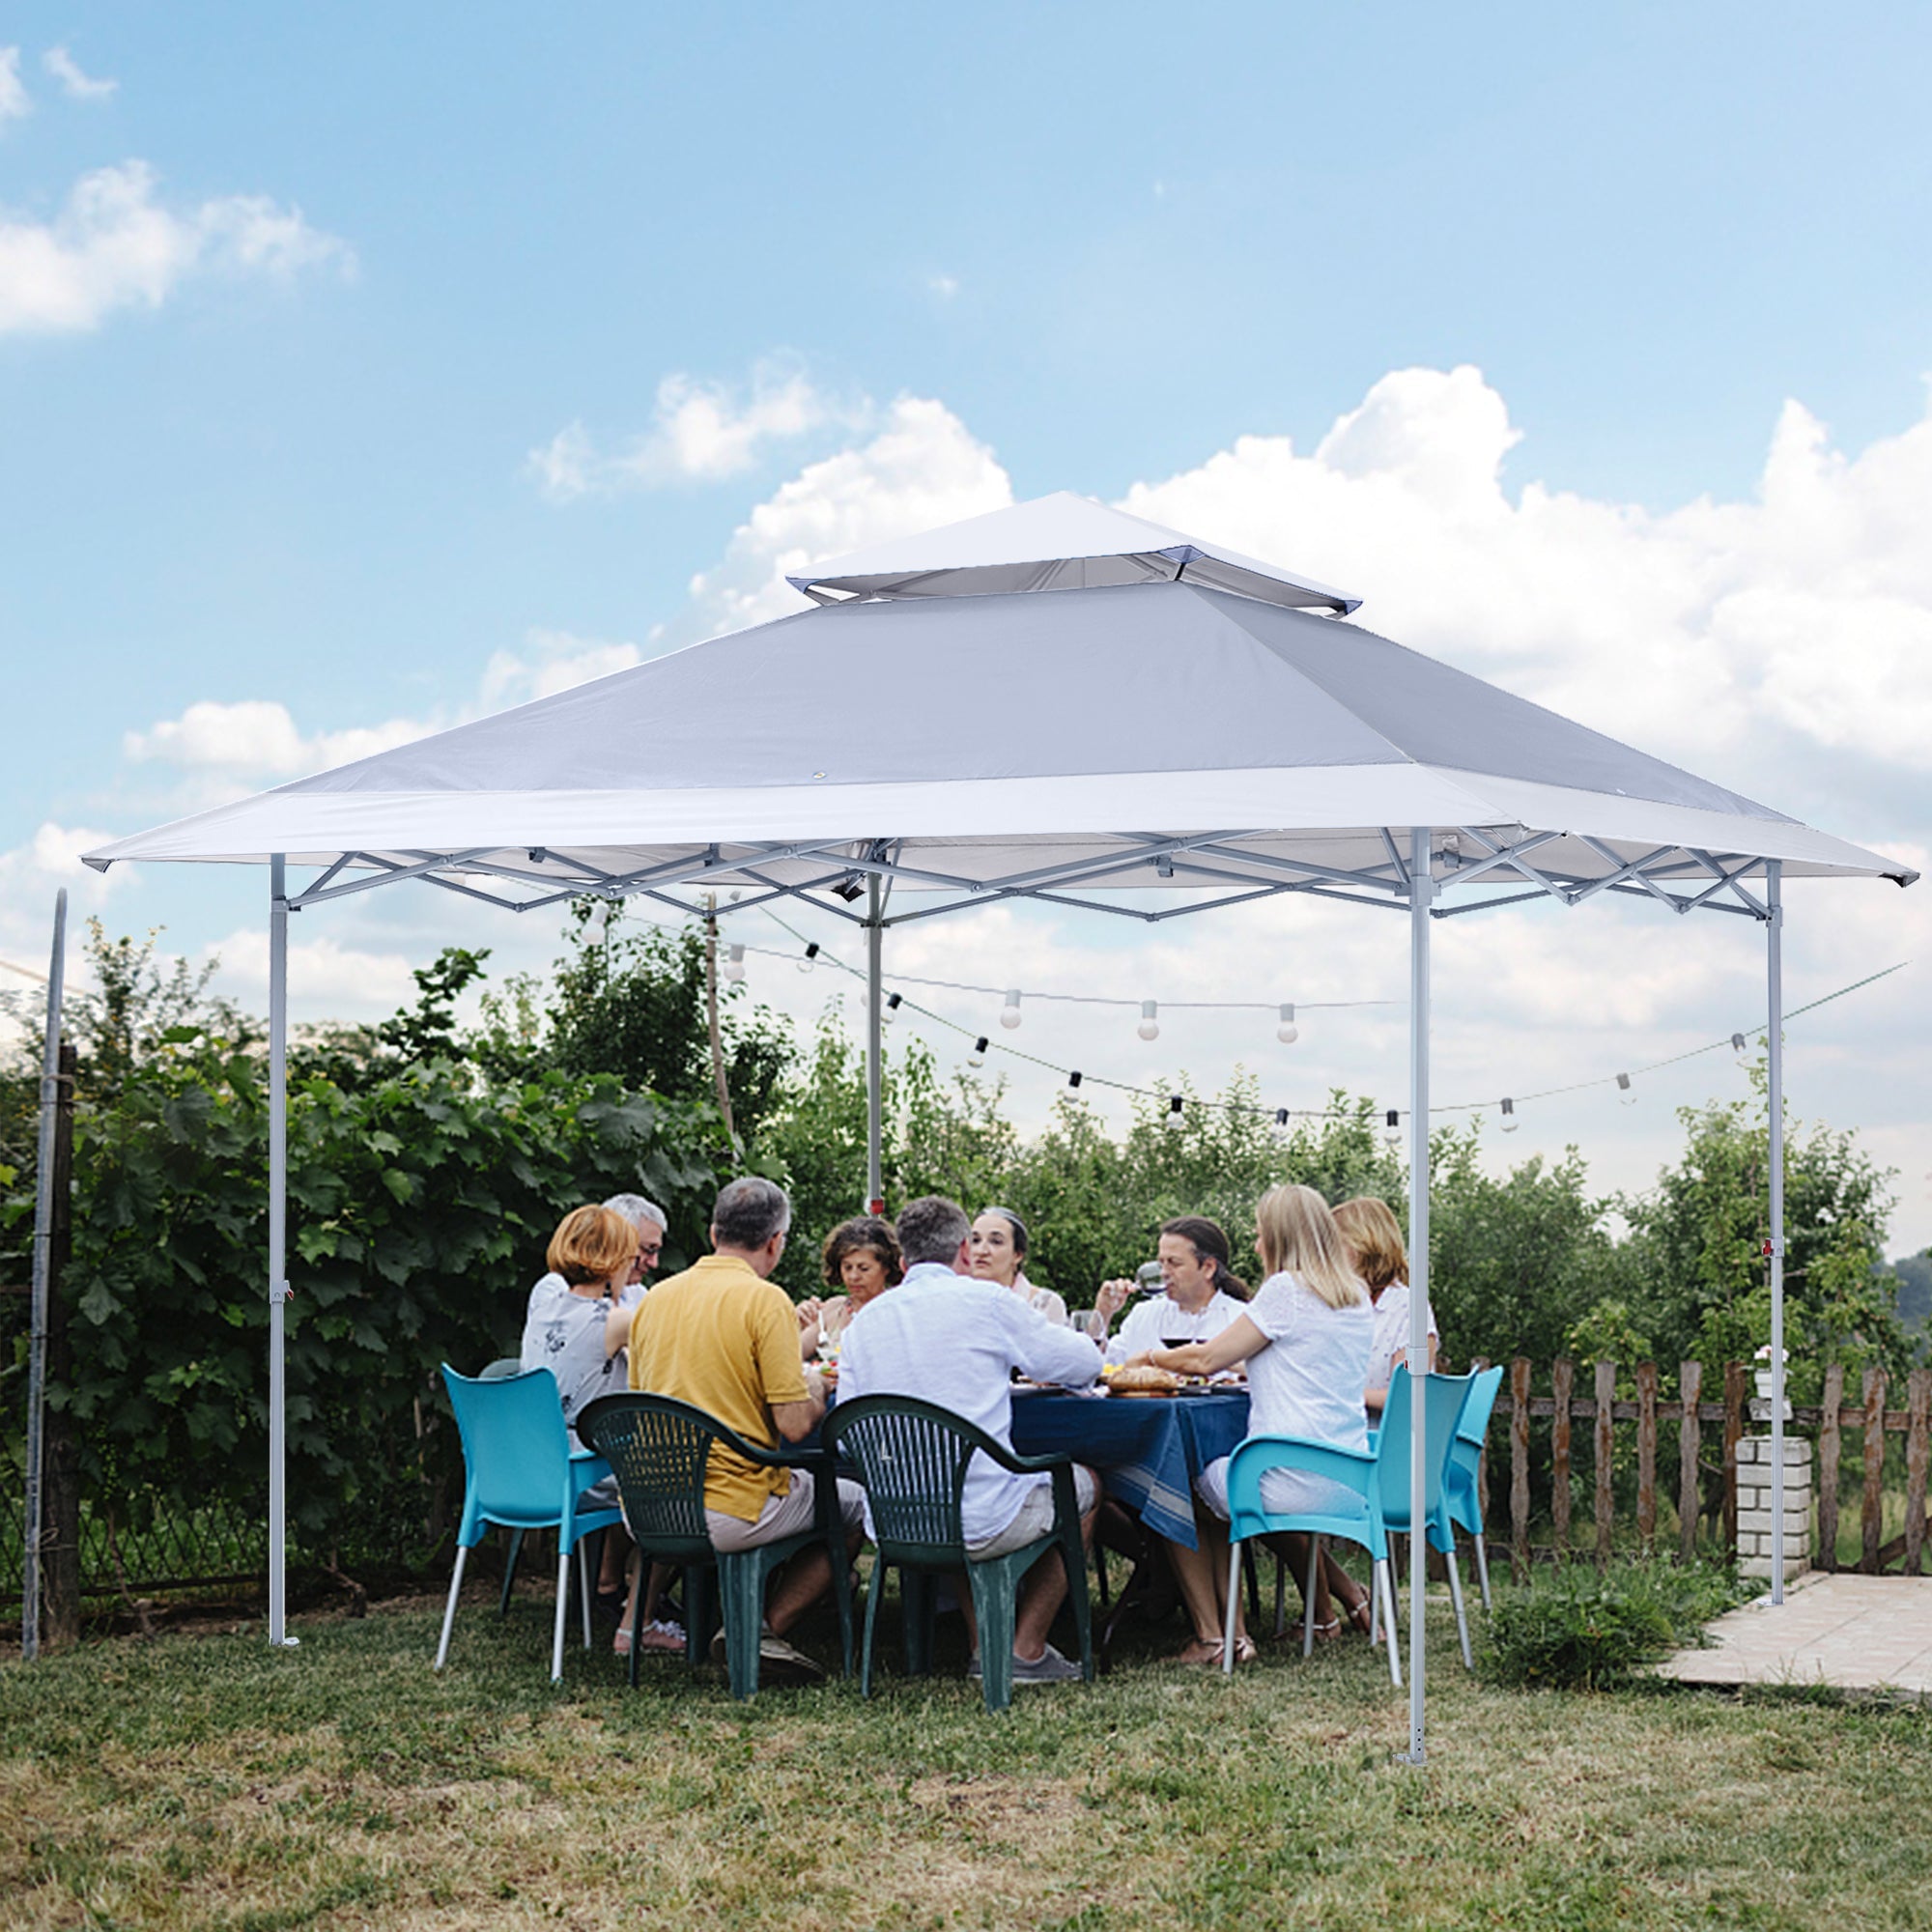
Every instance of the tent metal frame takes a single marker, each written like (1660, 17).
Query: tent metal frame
(843, 870)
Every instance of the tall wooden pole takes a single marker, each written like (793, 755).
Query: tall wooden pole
(711, 1011)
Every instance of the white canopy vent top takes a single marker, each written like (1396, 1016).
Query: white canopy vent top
(1061, 541)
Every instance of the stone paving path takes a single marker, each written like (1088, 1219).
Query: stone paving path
(1853, 1633)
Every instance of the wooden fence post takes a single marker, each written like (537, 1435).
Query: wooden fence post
(1872, 1515)
(1918, 1453)
(1829, 1442)
(1689, 1448)
(1562, 1377)
(1519, 1467)
(1734, 1428)
(1607, 1398)
(1646, 1456)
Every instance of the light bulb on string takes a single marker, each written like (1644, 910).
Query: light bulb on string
(1009, 1013)
(1150, 1025)
(1281, 1123)
(1392, 1127)
(734, 964)
(810, 953)
(892, 1012)
(1287, 1032)
(1741, 1048)
(1073, 1078)
(978, 1057)
(1174, 1103)
(1510, 1121)
(1625, 1096)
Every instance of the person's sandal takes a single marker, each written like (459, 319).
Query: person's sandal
(1244, 1649)
(1361, 1615)
(1202, 1650)
(1324, 1632)
(662, 1634)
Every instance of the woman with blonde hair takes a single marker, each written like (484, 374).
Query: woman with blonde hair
(577, 1326)
(1375, 1238)
(1305, 1337)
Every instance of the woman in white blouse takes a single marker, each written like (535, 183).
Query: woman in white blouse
(1202, 1293)
(1375, 1238)
(1305, 1338)
(999, 1247)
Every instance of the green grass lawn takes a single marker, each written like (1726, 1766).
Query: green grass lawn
(202, 1780)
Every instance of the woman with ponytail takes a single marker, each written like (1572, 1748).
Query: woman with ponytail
(1202, 1292)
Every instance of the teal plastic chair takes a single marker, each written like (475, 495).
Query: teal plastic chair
(912, 1458)
(1377, 1476)
(658, 1449)
(521, 1472)
(1448, 1396)
(1466, 1454)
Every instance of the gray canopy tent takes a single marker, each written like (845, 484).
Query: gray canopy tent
(1162, 714)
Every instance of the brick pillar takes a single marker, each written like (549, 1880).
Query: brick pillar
(1754, 1522)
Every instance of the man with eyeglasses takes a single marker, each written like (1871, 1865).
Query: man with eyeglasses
(650, 1222)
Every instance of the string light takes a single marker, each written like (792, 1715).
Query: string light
(1073, 1078)
(892, 1012)
(1150, 1025)
(1174, 1103)
(1741, 1047)
(734, 964)
(1010, 1017)
(1287, 1032)
(1510, 1121)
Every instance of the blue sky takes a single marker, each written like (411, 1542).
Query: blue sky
(276, 397)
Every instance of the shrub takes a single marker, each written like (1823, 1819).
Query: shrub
(1575, 1627)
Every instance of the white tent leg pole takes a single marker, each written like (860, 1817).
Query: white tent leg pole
(278, 1248)
(876, 933)
(37, 1340)
(1421, 892)
(1773, 946)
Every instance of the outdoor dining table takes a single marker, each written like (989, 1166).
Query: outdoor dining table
(1147, 1449)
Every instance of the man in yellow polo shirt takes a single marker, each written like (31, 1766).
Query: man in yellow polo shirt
(722, 1337)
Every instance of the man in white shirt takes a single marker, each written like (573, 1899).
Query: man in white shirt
(943, 1337)
(1202, 1294)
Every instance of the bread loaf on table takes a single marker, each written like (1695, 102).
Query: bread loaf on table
(1142, 1375)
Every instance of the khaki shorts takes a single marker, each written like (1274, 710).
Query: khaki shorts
(788, 1514)
(1035, 1519)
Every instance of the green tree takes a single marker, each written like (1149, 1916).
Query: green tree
(1518, 1260)
(1696, 1248)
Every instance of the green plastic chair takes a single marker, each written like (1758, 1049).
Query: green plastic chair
(659, 1450)
(912, 1458)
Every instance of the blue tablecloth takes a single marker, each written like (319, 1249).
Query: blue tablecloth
(1148, 1450)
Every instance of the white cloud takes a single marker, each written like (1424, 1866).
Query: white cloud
(258, 738)
(74, 84)
(15, 102)
(556, 660)
(922, 469)
(324, 976)
(30, 876)
(701, 433)
(228, 748)
(1716, 634)
(114, 246)
(945, 287)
